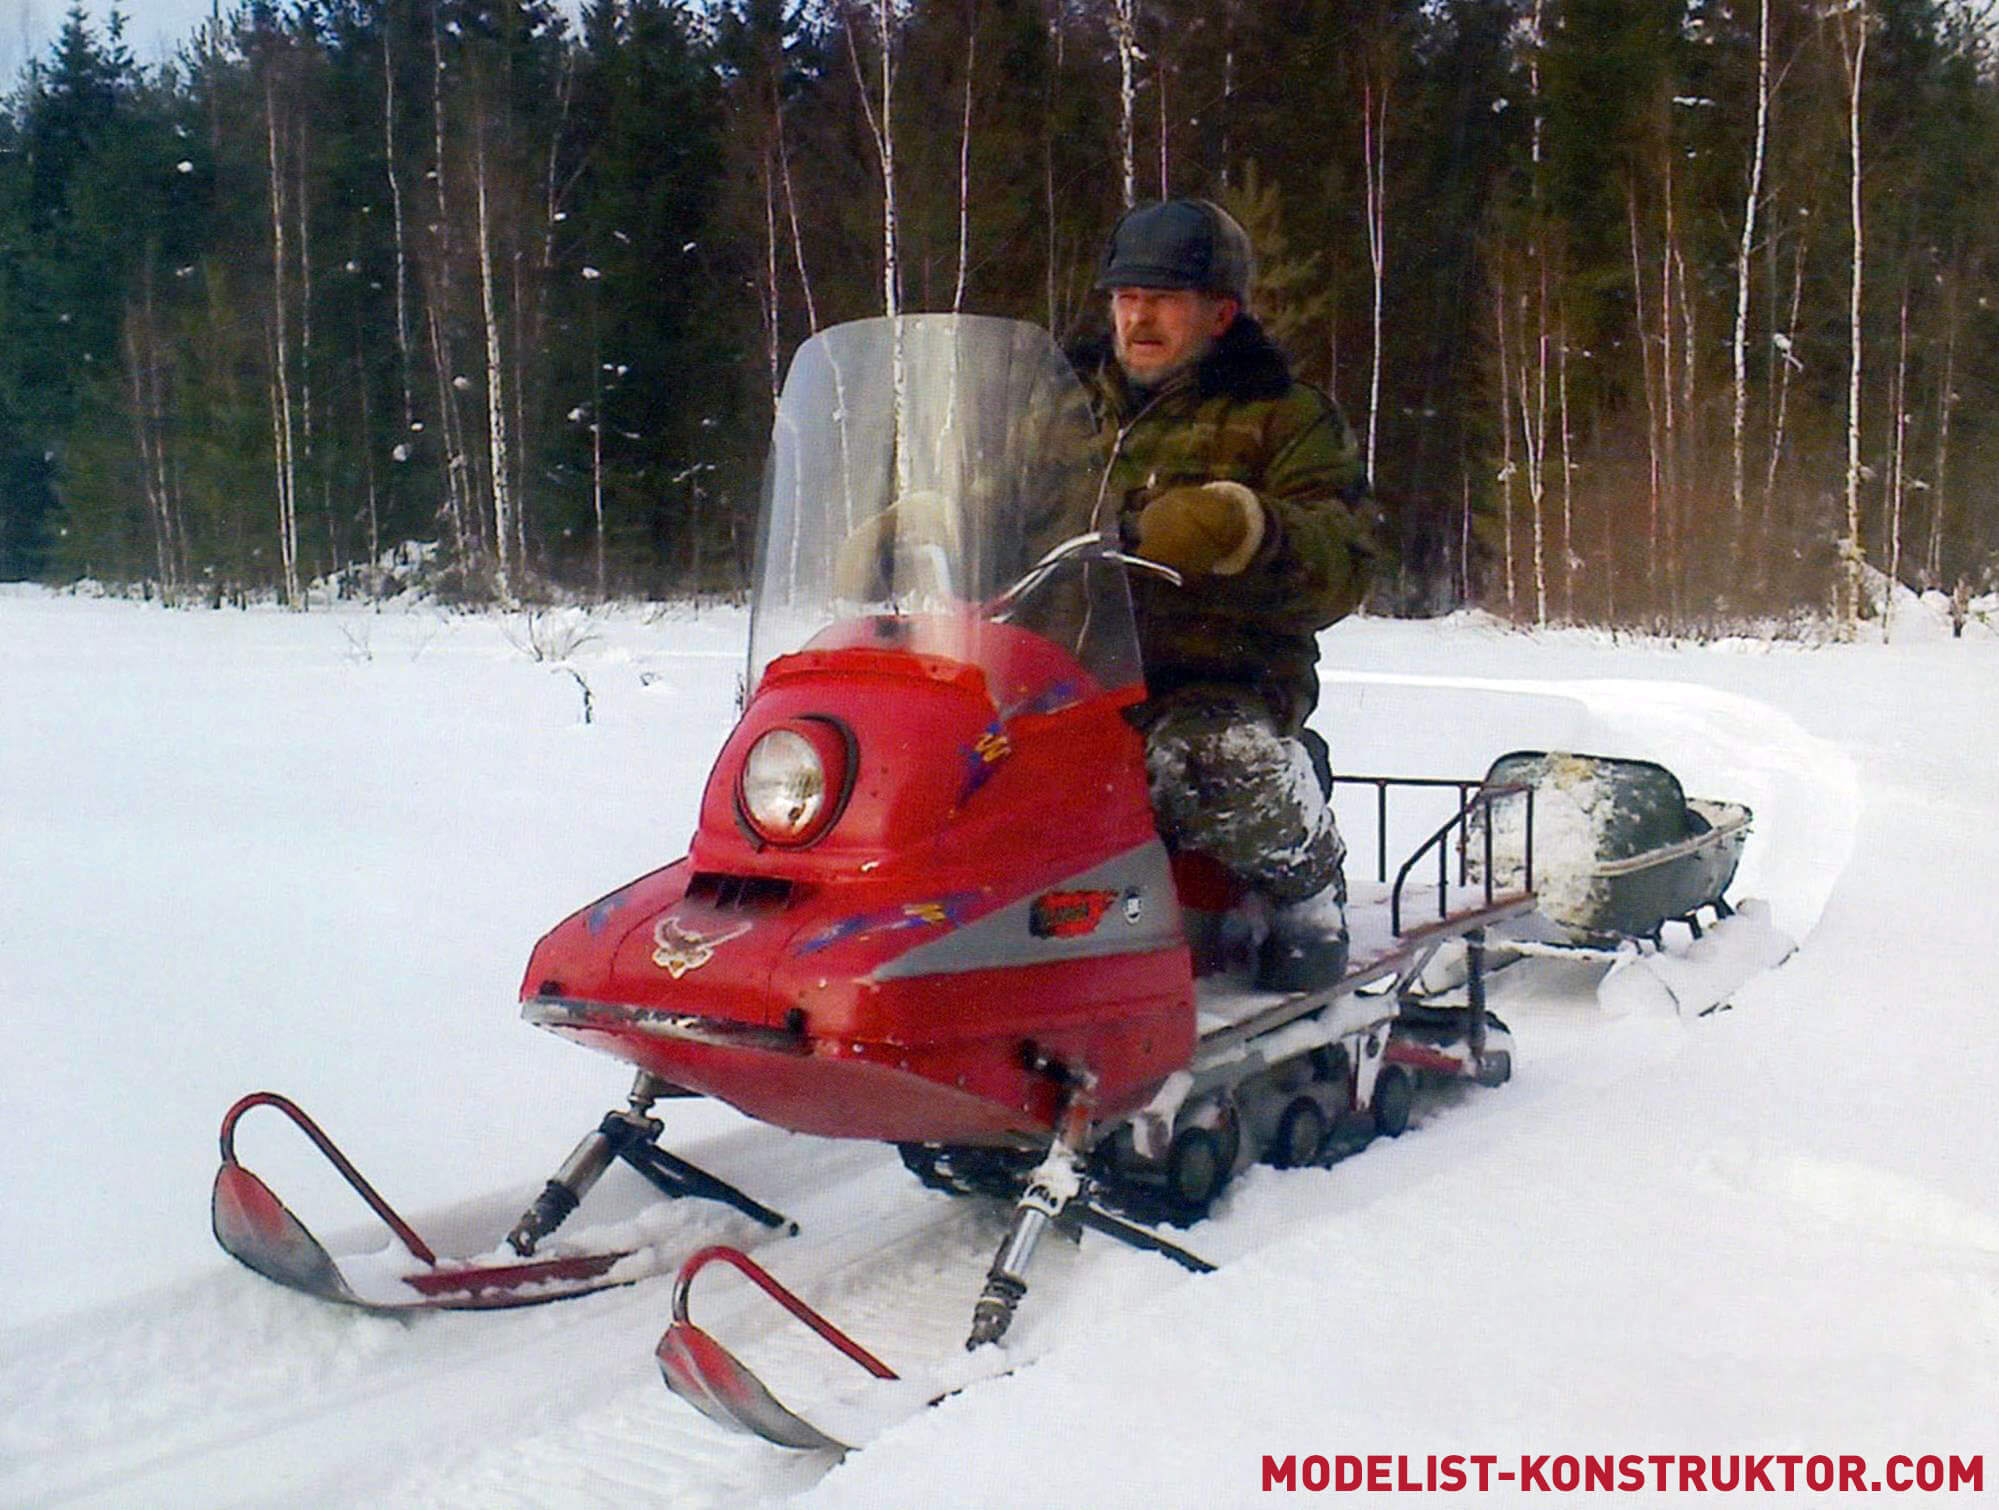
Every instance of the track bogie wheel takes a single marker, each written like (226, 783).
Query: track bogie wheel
(1228, 1141)
(1394, 1097)
(1301, 1133)
(1196, 1167)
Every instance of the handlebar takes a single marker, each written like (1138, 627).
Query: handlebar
(1096, 545)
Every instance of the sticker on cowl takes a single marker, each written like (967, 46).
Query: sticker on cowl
(939, 912)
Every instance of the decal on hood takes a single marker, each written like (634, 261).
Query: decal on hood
(678, 948)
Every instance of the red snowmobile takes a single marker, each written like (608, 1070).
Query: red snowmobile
(926, 903)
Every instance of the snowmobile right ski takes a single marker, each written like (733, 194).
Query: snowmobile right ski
(715, 1382)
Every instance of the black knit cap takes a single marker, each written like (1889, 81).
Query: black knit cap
(1181, 243)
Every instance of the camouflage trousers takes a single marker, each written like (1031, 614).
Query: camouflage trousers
(1227, 782)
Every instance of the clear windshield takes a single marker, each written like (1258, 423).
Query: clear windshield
(919, 467)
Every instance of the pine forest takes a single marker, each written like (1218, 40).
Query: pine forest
(1672, 314)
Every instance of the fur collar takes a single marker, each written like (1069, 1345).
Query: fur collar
(1245, 364)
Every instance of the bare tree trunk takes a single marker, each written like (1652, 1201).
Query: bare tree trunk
(1464, 530)
(1535, 42)
(305, 342)
(1750, 203)
(791, 212)
(891, 224)
(1853, 557)
(1669, 254)
(1537, 431)
(882, 127)
(138, 338)
(1897, 475)
(1569, 560)
(1946, 400)
(151, 416)
(1058, 39)
(767, 295)
(1506, 438)
(496, 400)
(458, 483)
(551, 187)
(1533, 437)
(1374, 156)
(1533, 444)
(531, 280)
(281, 393)
(1124, 31)
(1651, 397)
(597, 439)
(1783, 342)
(965, 158)
(396, 211)
(367, 449)
(458, 480)
(522, 316)
(305, 292)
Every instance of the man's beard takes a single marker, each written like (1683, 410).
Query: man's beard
(1158, 377)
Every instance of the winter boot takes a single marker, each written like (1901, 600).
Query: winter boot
(1306, 948)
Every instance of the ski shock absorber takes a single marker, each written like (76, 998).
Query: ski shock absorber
(586, 1165)
(1053, 1185)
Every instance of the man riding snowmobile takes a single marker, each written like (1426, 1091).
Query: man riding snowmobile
(1250, 485)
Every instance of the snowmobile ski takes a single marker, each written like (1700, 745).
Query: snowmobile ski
(259, 1231)
(715, 1382)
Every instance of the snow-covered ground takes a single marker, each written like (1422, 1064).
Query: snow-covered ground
(309, 853)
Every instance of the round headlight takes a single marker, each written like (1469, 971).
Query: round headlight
(791, 782)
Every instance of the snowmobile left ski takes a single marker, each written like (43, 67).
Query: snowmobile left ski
(255, 1227)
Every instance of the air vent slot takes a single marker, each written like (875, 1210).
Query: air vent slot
(741, 893)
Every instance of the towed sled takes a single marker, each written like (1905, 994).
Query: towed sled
(1622, 851)
(1618, 852)
(925, 902)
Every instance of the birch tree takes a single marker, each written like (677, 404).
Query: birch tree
(282, 421)
(1851, 24)
(456, 462)
(1374, 157)
(504, 523)
(391, 170)
(1124, 32)
(1654, 470)
(881, 128)
(1897, 459)
(965, 158)
(1751, 200)
(1946, 401)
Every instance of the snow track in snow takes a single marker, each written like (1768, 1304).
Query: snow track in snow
(140, 1367)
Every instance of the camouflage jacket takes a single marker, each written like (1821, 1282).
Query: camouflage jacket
(1239, 416)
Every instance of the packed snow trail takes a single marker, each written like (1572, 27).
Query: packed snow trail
(1773, 1226)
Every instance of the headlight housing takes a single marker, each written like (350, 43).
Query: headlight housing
(794, 780)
